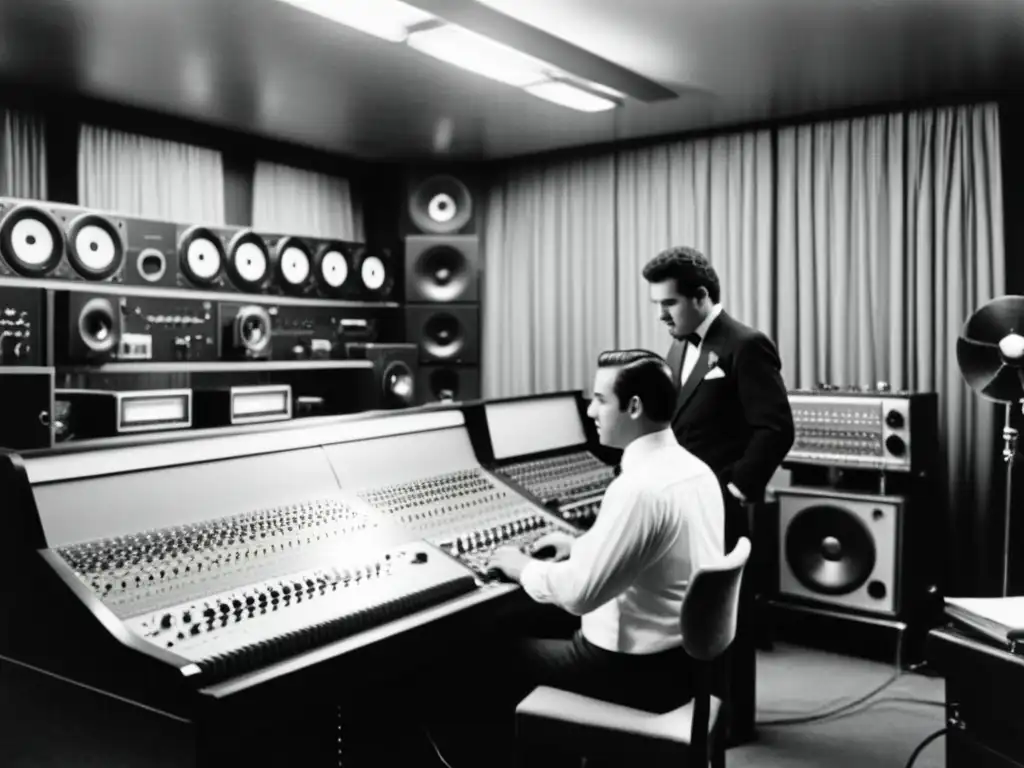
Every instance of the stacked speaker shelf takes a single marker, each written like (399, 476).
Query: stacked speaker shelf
(442, 284)
(98, 300)
(856, 534)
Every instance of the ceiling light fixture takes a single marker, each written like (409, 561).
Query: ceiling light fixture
(399, 22)
(478, 54)
(567, 94)
(387, 19)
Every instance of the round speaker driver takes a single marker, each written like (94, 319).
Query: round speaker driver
(373, 273)
(294, 265)
(203, 258)
(334, 269)
(31, 242)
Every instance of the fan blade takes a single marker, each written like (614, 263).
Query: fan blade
(996, 319)
(1005, 386)
(978, 361)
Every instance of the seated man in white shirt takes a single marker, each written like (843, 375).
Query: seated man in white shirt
(660, 520)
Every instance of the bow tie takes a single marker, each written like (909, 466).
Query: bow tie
(693, 338)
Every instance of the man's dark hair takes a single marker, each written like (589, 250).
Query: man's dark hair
(645, 375)
(689, 268)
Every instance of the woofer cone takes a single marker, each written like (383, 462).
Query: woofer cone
(440, 205)
(201, 255)
(444, 384)
(442, 273)
(444, 337)
(248, 260)
(95, 246)
(398, 384)
(830, 550)
(96, 325)
(252, 329)
(31, 241)
(294, 265)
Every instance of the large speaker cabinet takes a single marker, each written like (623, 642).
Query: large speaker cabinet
(442, 282)
(843, 550)
(860, 542)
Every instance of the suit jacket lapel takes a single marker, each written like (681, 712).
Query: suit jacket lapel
(674, 358)
(716, 336)
(695, 378)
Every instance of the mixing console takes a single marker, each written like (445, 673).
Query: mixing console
(572, 485)
(244, 591)
(466, 513)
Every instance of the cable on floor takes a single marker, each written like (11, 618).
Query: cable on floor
(815, 715)
(437, 751)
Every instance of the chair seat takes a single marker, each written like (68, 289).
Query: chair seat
(588, 726)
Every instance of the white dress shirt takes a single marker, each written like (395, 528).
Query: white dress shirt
(660, 520)
(693, 352)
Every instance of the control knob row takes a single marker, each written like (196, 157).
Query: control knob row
(497, 534)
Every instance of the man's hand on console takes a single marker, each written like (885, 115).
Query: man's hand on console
(552, 546)
(509, 561)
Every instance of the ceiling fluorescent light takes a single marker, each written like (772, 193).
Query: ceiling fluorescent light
(387, 19)
(479, 54)
(568, 95)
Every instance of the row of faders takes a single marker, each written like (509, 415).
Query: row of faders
(571, 485)
(237, 593)
(466, 513)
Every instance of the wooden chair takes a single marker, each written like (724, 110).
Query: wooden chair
(691, 735)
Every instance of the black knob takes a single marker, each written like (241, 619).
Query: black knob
(421, 557)
(894, 419)
(895, 445)
(167, 621)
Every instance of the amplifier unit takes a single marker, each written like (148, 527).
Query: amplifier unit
(892, 431)
(95, 328)
(22, 328)
(103, 413)
(283, 332)
(242, 405)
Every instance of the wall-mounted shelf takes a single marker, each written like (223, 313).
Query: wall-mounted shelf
(119, 289)
(219, 366)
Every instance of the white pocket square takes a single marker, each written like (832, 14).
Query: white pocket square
(714, 373)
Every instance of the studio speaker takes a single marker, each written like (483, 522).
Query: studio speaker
(441, 202)
(447, 383)
(392, 383)
(445, 333)
(843, 551)
(441, 269)
(442, 281)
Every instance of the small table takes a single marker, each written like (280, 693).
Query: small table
(984, 699)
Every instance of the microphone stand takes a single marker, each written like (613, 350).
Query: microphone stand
(1009, 453)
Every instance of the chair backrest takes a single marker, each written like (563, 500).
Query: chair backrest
(711, 603)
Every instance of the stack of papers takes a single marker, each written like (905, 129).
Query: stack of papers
(999, 618)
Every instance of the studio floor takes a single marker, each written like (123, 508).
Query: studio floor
(880, 733)
(798, 683)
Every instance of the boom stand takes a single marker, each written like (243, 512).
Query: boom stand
(1009, 453)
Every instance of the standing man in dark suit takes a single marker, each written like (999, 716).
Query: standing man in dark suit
(733, 413)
